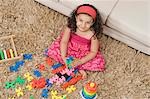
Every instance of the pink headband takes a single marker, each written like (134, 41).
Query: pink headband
(88, 10)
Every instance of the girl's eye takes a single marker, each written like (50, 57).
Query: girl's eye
(88, 22)
(80, 20)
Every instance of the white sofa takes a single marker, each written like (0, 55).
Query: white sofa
(125, 20)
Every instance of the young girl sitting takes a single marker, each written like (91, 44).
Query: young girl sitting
(79, 40)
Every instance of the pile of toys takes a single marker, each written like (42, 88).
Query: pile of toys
(64, 76)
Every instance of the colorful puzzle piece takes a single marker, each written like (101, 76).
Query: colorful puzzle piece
(19, 92)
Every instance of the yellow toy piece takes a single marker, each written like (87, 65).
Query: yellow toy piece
(70, 89)
(28, 76)
(19, 92)
(29, 87)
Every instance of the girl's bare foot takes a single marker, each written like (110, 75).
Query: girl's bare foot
(83, 73)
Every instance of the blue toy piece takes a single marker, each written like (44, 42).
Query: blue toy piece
(16, 66)
(69, 78)
(45, 93)
(19, 63)
(75, 71)
(13, 68)
(56, 65)
(48, 83)
(37, 73)
(27, 56)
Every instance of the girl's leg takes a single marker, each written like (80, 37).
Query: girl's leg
(83, 73)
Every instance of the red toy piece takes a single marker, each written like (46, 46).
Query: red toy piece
(73, 81)
(49, 61)
(58, 69)
(41, 67)
(38, 83)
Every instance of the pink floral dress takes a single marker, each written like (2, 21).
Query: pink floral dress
(78, 47)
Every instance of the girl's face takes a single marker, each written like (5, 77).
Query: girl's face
(84, 22)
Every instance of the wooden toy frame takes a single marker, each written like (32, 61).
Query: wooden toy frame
(13, 47)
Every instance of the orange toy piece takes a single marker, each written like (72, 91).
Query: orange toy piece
(75, 80)
(65, 85)
(91, 87)
(58, 69)
(72, 81)
(89, 91)
(49, 61)
(8, 53)
(41, 67)
(38, 83)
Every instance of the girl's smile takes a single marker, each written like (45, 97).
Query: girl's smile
(84, 22)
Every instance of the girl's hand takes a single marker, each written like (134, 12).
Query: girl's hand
(76, 62)
(64, 59)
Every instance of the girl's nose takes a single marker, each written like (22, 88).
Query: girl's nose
(83, 25)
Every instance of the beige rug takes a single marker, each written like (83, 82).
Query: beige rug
(35, 26)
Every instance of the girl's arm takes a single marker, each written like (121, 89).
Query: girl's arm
(93, 50)
(64, 42)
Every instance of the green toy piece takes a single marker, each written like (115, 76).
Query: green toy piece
(1, 55)
(10, 84)
(20, 80)
(31, 97)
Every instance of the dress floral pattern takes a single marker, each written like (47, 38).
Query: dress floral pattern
(78, 47)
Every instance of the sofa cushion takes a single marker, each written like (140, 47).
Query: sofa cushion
(131, 18)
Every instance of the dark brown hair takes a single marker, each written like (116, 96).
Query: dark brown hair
(96, 27)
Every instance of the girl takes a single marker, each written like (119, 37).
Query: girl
(79, 39)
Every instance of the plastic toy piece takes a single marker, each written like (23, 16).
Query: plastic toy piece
(5, 54)
(75, 79)
(11, 53)
(48, 83)
(28, 76)
(69, 60)
(19, 92)
(10, 84)
(27, 56)
(8, 54)
(56, 65)
(69, 78)
(13, 69)
(16, 66)
(54, 79)
(19, 63)
(70, 89)
(49, 61)
(72, 81)
(45, 93)
(2, 55)
(67, 71)
(60, 80)
(38, 83)
(41, 67)
(37, 73)
(20, 80)
(29, 87)
(31, 97)
(54, 94)
(58, 69)
(13, 97)
(89, 91)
